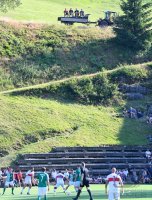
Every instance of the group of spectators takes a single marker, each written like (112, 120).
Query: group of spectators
(72, 13)
(134, 113)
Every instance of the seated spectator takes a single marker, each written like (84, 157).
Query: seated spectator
(139, 114)
(81, 13)
(133, 112)
(71, 12)
(145, 177)
(76, 13)
(148, 155)
(125, 113)
(149, 118)
(66, 13)
(134, 177)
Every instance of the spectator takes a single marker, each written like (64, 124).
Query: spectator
(134, 176)
(149, 118)
(71, 12)
(76, 13)
(81, 13)
(139, 114)
(66, 13)
(125, 113)
(145, 177)
(125, 172)
(149, 169)
(133, 112)
(148, 155)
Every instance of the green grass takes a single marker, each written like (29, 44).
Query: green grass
(31, 124)
(47, 11)
(30, 56)
(142, 192)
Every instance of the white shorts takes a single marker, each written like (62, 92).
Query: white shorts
(77, 184)
(71, 183)
(114, 195)
(42, 191)
(60, 183)
(28, 181)
(7, 184)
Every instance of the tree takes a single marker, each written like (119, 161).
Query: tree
(134, 28)
(9, 4)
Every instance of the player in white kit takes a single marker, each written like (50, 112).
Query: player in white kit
(59, 181)
(29, 179)
(113, 185)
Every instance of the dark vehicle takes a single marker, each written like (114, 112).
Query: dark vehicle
(110, 16)
(71, 20)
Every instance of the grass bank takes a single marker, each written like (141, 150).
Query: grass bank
(33, 54)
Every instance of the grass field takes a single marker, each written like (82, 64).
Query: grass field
(132, 192)
(48, 10)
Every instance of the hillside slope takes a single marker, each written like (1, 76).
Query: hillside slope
(36, 124)
(39, 53)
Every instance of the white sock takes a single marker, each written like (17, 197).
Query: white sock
(29, 190)
(22, 190)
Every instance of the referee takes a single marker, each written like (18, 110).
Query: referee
(84, 181)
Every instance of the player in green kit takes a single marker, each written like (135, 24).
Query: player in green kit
(9, 180)
(43, 184)
(77, 178)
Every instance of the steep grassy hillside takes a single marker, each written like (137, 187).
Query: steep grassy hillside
(36, 125)
(32, 124)
(40, 53)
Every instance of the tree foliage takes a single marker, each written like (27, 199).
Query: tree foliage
(134, 27)
(5, 5)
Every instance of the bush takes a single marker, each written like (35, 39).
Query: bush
(96, 90)
(129, 74)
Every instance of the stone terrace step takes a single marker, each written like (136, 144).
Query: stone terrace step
(79, 160)
(103, 148)
(89, 166)
(83, 155)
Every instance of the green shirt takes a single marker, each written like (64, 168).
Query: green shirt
(78, 174)
(43, 178)
(10, 177)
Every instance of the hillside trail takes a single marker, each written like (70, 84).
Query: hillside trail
(49, 83)
(42, 85)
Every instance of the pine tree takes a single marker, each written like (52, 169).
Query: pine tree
(134, 28)
(8, 4)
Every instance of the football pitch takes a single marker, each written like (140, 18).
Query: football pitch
(132, 192)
